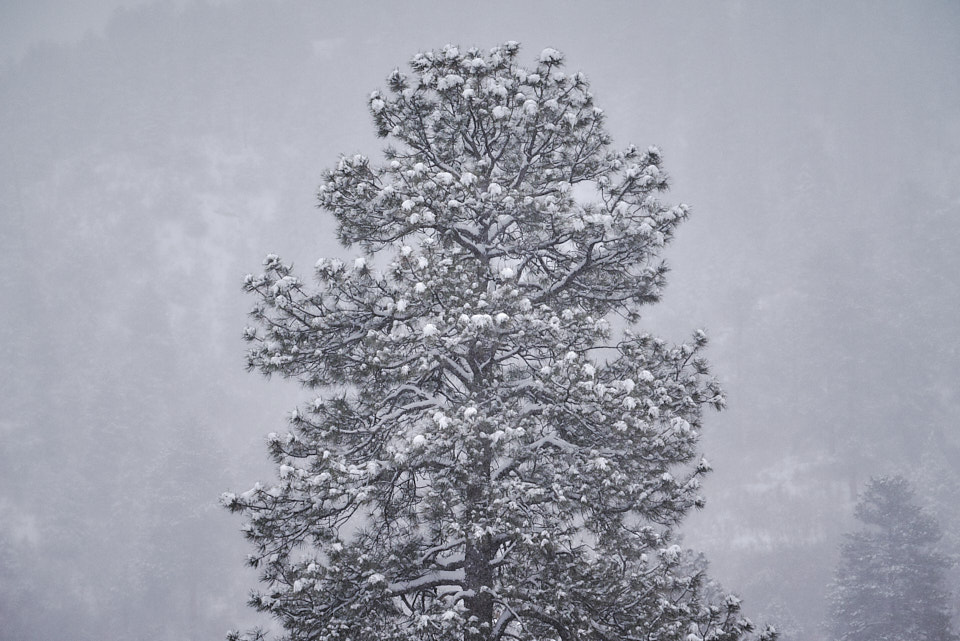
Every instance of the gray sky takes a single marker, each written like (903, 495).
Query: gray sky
(28, 23)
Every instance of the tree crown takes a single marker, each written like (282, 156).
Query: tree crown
(483, 461)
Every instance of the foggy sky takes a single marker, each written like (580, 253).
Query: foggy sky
(153, 153)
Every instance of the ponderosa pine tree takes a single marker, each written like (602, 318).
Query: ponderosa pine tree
(889, 586)
(485, 460)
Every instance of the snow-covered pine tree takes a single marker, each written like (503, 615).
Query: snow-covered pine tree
(485, 460)
(889, 585)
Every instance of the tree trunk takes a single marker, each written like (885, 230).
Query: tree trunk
(478, 553)
(479, 579)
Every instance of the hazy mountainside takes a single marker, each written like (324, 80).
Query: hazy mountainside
(148, 170)
(144, 180)
(841, 363)
(825, 273)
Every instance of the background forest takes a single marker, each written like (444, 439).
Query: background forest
(151, 163)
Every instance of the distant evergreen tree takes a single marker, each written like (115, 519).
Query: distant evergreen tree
(889, 586)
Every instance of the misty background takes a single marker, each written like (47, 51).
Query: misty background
(153, 153)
